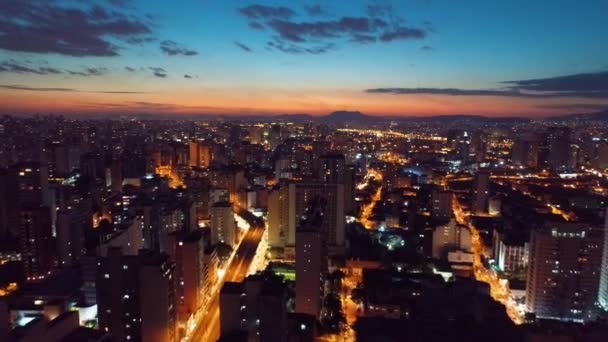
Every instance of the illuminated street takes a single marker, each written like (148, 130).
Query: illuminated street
(499, 289)
(368, 208)
(208, 329)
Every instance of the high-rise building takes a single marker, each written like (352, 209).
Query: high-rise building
(256, 306)
(558, 142)
(332, 168)
(525, 152)
(481, 192)
(223, 227)
(310, 258)
(441, 204)
(350, 179)
(35, 240)
(72, 222)
(27, 185)
(564, 270)
(199, 154)
(289, 201)
(603, 293)
(450, 237)
(136, 296)
(157, 281)
(187, 251)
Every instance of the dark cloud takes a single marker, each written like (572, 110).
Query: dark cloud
(243, 47)
(256, 11)
(120, 3)
(187, 76)
(26, 67)
(363, 39)
(141, 40)
(291, 35)
(586, 82)
(403, 33)
(486, 92)
(171, 48)
(293, 49)
(50, 27)
(345, 26)
(69, 90)
(576, 106)
(588, 85)
(379, 10)
(314, 10)
(426, 48)
(442, 91)
(12, 66)
(256, 26)
(89, 72)
(129, 69)
(18, 87)
(159, 72)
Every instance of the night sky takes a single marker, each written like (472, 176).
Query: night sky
(407, 57)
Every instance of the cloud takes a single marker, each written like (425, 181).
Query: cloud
(576, 106)
(363, 39)
(190, 76)
(265, 12)
(314, 10)
(586, 85)
(89, 72)
(12, 66)
(18, 87)
(26, 67)
(426, 48)
(49, 27)
(293, 49)
(129, 69)
(586, 82)
(403, 33)
(256, 26)
(293, 33)
(345, 26)
(159, 72)
(485, 92)
(243, 47)
(68, 90)
(171, 48)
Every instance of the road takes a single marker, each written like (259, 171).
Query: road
(499, 288)
(208, 328)
(368, 208)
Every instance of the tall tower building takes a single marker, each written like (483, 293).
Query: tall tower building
(35, 240)
(332, 168)
(481, 192)
(289, 202)
(558, 141)
(187, 250)
(310, 259)
(223, 227)
(199, 154)
(564, 271)
(603, 293)
(27, 185)
(136, 296)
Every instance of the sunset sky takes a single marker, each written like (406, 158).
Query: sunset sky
(406, 57)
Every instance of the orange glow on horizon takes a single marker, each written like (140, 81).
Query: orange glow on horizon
(227, 102)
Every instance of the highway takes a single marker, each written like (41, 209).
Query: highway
(208, 329)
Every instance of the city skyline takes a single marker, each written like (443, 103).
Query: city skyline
(398, 58)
